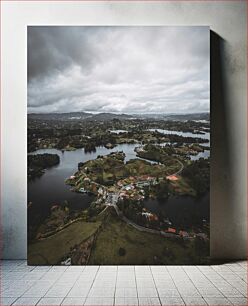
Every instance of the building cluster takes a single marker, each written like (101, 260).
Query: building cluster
(186, 235)
(149, 216)
(133, 186)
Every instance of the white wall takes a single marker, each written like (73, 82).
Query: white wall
(229, 97)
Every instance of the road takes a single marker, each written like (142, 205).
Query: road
(180, 170)
(113, 199)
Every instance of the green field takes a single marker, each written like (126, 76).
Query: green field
(141, 248)
(108, 170)
(52, 249)
(116, 243)
(182, 187)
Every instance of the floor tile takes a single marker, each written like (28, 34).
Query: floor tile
(149, 301)
(91, 270)
(125, 283)
(126, 292)
(147, 292)
(75, 269)
(85, 281)
(103, 283)
(125, 269)
(99, 301)
(7, 301)
(120, 301)
(230, 292)
(33, 275)
(194, 301)
(192, 292)
(102, 292)
(217, 301)
(166, 301)
(38, 290)
(15, 275)
(13, 292)
(210, 292)
(51, 275)
(79, 291)
(73, 301)
(58, 268)
(148, 283)
(164, 283)
(50, 301)
(164, 292)
(239, 301)
(41, 268)
(27, 301)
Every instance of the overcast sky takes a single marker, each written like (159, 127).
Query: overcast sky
(118, 69)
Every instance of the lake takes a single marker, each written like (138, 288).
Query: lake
(206, 135)
(50, 188)
(118, 131)
(183, 211)
(204, 154)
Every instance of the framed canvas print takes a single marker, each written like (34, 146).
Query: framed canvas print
(118, 145)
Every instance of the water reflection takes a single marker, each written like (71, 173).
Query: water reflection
(182, 211)
(50, 188)
(184, 134)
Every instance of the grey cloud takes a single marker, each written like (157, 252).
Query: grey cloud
(52, 49)
(127, 69)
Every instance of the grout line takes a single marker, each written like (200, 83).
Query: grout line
(237, 273)
(175, 286)
(211, 282)
(193, 282)
(228, 282)
(98, 267)
(136, 284)
(14, 301)
(115, 284)
(72, 285)
(38, 301)
(155, 286)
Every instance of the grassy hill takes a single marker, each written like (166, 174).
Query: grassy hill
(121, 244)
(52, 249)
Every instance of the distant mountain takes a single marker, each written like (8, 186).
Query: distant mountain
(60, 116)
(111, 116)
(197, 116)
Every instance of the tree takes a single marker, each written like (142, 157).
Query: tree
(122, 252)
(162, 191)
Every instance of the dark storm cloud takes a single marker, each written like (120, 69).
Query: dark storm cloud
(126, 69)
(53, 49)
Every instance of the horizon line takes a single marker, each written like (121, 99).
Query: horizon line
(120, 113)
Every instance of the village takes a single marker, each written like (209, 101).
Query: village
(134, 190)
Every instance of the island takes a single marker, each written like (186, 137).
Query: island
(39, 162)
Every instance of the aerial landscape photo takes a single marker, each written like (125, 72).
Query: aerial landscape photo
(118, 145)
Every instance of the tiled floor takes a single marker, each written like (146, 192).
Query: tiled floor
(123, 285)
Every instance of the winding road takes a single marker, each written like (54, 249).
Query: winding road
(113, 199)
(180, 170)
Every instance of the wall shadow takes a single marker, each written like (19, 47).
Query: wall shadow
(222, 209)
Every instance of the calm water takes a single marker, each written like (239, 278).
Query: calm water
(50, 188)
(204, 154)
(184, 134)
(182, 211)
(118, 131)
